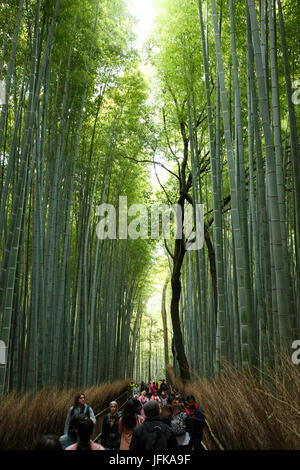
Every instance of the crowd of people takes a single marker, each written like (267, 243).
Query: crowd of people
(151, 419)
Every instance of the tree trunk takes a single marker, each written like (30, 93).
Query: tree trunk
(149, 364)
(176, 291)
(165, 326)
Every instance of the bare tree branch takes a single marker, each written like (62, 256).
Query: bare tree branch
(168, 250)
(154, 162)
(161, 185)
(166, 132)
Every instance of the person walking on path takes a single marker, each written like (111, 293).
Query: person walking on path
(110, 437)
(195, 423)
(155, 397)
(138, 405)
(172, 401)
(143, 399)
(166, 414)
(131, 387)
(71, 437)
(154, 388)
(163, 386)
(136, 391)
(164, 398)
(179, 426)
(84, 431)
(127, 423)
(79, 408)
(153, 434)
(150, 389)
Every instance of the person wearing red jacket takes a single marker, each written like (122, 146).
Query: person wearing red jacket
(195, 423)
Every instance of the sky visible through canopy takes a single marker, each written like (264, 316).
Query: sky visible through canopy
(144, 12)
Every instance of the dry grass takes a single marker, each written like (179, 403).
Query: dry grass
(24, 419)
(246, 414)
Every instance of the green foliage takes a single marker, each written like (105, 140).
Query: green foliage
(88, 116)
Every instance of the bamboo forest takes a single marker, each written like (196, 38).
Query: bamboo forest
(150, 210)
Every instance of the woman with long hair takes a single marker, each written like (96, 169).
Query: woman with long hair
(127, 424)
(79, 408)
(166, 414)
(179, 425)
(143, 397)
(84, 432)
(172, 400)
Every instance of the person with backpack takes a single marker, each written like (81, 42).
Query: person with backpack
(110, 437)
(153, 434)
(195, 423)
(179, 426)
(79, 408)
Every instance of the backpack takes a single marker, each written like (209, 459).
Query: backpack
(156, 439)
(86, 413)
(178, 424)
